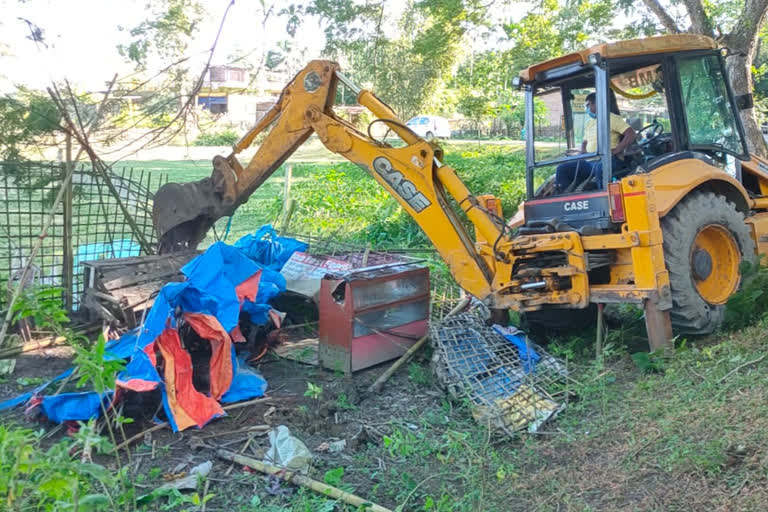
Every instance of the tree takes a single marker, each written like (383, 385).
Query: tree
(165, 34)
(736, 25)
(404, 57)
(27, 119)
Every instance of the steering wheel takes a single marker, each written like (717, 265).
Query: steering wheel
(650, 132)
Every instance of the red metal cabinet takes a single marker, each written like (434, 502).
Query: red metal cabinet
(368, 317)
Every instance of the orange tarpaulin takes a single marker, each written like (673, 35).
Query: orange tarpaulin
(248, 289)
(189, 406)
(220, 366)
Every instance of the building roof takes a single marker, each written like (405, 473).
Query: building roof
(629, 48)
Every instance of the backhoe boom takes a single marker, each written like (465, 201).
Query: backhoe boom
(414, 175)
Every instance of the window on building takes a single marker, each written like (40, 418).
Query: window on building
(218, 74)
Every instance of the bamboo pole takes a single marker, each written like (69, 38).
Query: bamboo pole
(287, 179)
(600, 335)
(376, 386)
(304, 481)
(68, 278)
(51, 341)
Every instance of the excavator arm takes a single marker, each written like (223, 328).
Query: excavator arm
(413, 174)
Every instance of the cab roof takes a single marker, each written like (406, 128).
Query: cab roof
(629, 48)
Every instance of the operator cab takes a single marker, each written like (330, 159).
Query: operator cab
(678, 103)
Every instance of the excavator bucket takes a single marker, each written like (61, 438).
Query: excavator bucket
(184, 212)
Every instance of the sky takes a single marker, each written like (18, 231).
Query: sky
(82, 38)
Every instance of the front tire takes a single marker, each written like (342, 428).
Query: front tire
(705, 241)
(429, 136)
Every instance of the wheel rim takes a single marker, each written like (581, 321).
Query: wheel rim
(715, 259)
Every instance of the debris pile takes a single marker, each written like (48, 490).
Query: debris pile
(183, 353)
(511, 382)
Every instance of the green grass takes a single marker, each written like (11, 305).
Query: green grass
(339, 199)
(690, 437)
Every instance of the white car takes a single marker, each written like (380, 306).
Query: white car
(430, 127)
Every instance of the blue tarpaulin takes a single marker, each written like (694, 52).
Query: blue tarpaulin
(269, 249)
(528, 356)
(74, 406)
(246, 382)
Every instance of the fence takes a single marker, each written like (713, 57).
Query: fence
(90, 223)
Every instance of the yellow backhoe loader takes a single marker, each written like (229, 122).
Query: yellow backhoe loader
(664, 224)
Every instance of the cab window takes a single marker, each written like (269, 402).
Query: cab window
(708, 110)
(642, 100)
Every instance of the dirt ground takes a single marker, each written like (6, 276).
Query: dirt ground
(343, 410)
(689, 438)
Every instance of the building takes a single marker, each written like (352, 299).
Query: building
(238, 97)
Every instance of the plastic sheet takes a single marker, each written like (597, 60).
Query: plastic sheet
(286, 451)
(246, 382)
(74, 406)
(266, 247)
(187, 406)
(528, 355)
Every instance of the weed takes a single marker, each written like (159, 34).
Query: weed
(751, 302)
(343, 402)
(333, 477)
(420, 374)
(42, 305)
(313, 391)
(96, 367)
(37, 478)
(23, 382)
(404, 443)
(647, 362)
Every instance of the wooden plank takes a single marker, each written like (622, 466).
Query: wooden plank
(139, 278)
(301, 350)
(113, 262)
(137, 294)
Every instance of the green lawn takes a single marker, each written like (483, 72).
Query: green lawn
(336, 198)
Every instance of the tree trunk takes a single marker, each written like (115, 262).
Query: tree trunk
(739, 73)
(742, 46)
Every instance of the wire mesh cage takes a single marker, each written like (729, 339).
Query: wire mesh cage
(99, 218)
(512, 383)
(27, 193)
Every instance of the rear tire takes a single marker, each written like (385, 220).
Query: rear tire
(705, 241)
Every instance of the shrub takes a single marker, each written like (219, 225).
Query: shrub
(223, 138)
(751, 302)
